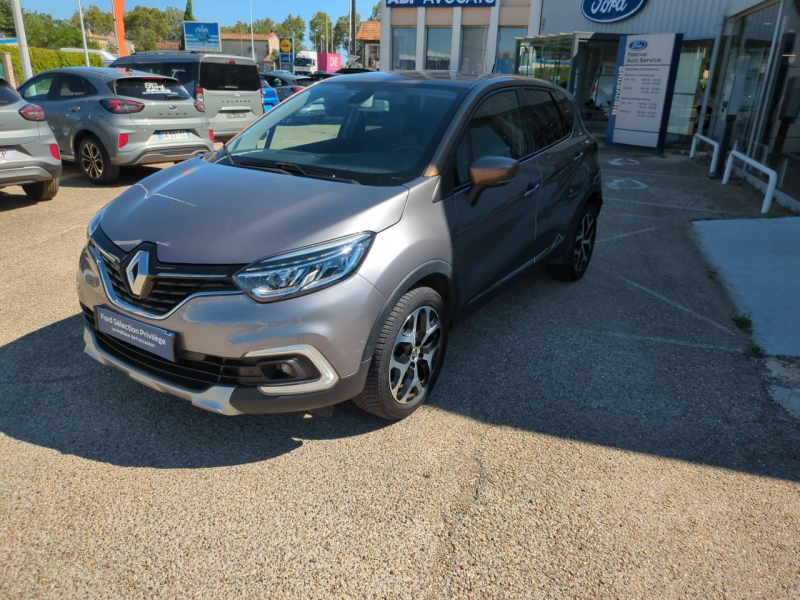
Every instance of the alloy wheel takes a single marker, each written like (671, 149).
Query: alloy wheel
(92, 160)
(584, 243)
(415, 355)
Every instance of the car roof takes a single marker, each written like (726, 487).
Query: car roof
(190, 56)
(106, 73)
(444, 78)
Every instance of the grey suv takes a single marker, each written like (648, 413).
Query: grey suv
(104, 119)
(228, 85)
(313, 261)
(28, 151)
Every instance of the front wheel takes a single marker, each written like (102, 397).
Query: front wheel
(408, 356)
(580, 246)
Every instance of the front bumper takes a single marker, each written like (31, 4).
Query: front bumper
(335, 323)
(234, 400)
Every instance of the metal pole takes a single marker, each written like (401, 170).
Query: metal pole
(252, 38)
(83, 33)
(701, 118)
(19, 25)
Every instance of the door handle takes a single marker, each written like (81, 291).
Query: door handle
(74, 109)
(578, 157)
(531, 190)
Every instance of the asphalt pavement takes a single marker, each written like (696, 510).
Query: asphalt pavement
(611, 438)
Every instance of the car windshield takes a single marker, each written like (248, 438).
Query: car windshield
(370, 132)
(303, 62)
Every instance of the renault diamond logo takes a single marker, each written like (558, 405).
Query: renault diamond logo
(138, 274)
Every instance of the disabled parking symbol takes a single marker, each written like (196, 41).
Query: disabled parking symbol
(626, 184)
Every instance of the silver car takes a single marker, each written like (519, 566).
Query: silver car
(309, 262)
(28, 151)
(105, 119)
(228, 85)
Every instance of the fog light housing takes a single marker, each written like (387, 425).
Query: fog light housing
(288, 369)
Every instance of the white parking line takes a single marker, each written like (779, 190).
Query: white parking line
(630, 233)
(634, 216)
(674, 304)
(645, 174)
(660, 340)
(657, 205)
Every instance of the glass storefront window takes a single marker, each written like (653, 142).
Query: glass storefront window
(690, 82)
(404, 48)
(506, 45)
(438, 46)
(473, 49)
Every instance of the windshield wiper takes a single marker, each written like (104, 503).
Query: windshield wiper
(251, 164)
(301, 172)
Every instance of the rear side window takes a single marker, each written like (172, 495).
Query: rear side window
(8, 95)
(542, 119)
(223, 76)
(72, 87)
(567, 109)
(143, 88)
(38, 89)
(184, 71)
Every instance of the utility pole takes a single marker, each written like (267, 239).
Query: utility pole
(19, 25)
(252, 39)
(83, 33)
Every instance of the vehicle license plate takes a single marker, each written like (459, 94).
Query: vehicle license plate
(236, 115)
(6, 154)
(140, 335)
(173, 135)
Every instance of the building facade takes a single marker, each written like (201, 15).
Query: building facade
(742, 48)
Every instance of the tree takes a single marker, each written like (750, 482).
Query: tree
(341, 34)
(265, 25)
(188, 14)
(44, 31)
(174, 19)
(7, 18)
(376, 12)
(146, 27)
(95, 19)
(321, 27)
(293, 27)
(239, 27)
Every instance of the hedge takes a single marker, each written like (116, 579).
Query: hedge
(42, 60)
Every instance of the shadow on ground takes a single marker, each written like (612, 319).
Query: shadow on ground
(654, 400)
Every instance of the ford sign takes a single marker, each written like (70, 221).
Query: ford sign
(610, 11)
(637, 45)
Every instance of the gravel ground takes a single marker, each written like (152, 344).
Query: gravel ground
(610, 438)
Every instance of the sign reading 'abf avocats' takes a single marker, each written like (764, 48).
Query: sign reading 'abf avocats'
(643, 85)
(391, 3)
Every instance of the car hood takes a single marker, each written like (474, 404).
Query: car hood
(203, 213)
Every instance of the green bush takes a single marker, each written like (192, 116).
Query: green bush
(42, 60)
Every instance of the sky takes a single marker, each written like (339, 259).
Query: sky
(225, 12)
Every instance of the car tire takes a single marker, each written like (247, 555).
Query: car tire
(95, 162)
(41, 190)
(408, 356)
(581, 239)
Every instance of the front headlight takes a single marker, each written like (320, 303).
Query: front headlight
(95, 223)
(306, 270)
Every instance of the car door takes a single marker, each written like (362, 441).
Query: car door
(70, 104)
(559, 155)
(38, 90)
(494, 235)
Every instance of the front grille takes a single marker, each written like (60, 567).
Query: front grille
(190, 370)
(167, 291)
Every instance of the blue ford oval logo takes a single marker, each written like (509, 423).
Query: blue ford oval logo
(610, 11)
(637, 45)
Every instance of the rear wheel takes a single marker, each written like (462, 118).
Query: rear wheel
(95, 162)
(408, 356)
(580, 246)
(41, 190)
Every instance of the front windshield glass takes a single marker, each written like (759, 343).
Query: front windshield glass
(303, 62)
(374, 133)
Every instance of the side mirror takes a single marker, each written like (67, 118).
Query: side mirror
(490, 171)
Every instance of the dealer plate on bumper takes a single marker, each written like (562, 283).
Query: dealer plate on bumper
(140, 335)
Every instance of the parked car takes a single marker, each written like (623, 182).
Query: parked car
(28, 151)
(269, 97)
(286, 85)
(321, 75)
(105, 118)
(352, 70)
(227, 85)
(305, 264)
(106, 57)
